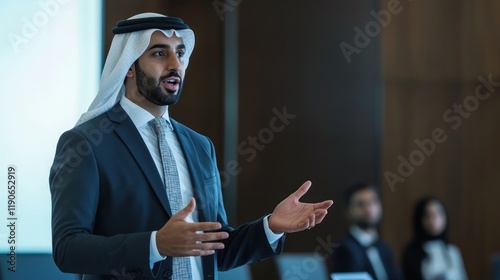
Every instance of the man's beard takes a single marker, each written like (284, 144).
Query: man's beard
(364, 225)
(151, 88)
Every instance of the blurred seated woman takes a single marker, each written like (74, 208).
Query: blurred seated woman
(430, 256)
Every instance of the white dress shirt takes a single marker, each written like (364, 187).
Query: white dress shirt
(140, 117)
(366, 239)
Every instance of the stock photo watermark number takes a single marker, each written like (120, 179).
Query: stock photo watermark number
(11, 216)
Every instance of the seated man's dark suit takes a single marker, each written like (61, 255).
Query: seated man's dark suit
(107, 198)
(351, 256)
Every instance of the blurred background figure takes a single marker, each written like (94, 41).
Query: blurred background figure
(430, 255)
(362, 249)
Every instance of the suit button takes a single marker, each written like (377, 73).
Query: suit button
(167, 275)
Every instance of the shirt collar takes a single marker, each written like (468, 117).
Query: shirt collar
(139, 116)
(364, 238)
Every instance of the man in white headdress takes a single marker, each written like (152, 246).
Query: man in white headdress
(116, 187)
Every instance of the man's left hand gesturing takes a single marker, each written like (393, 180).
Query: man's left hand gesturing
(291, 215)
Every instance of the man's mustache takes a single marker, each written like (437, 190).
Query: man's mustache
(171, 74)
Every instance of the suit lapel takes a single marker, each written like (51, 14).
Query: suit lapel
(195, 171)
(129, 134)
(364, 255)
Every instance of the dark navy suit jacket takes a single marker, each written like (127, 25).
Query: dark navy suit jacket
(107, 198)
(351, 256)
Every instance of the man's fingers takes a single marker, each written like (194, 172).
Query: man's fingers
(181, 215)
(201, 249)
(316, 218)
(203, 226)
(320, 215)
(312, 220)
(205, 249)
(201, 253)
(210, 236)
(208, 246)
(307, 223)
(302, 190)
(323, 205)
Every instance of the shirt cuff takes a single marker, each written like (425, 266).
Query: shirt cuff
(272, 237)
(154, 255)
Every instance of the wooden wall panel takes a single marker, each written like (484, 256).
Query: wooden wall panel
(433, 53)
(290, 56)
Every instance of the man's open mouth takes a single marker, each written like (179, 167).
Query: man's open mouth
(171, 83)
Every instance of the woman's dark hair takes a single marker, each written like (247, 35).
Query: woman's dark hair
(419, 232)
(414, 253)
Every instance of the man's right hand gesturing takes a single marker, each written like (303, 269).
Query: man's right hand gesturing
(178, 238)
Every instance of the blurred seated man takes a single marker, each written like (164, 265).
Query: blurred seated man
(362, 249)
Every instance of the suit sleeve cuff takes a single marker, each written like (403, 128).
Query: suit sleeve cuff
(154, 255)
(272, 237)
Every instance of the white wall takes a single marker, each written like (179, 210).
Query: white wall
(50, 64)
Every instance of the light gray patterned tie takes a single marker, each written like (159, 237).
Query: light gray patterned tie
(181, 266)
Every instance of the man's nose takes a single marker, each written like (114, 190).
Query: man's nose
(173, 63)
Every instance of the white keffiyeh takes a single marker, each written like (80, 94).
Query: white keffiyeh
(124, 51)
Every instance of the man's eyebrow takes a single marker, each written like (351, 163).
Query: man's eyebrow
(165, 46)
(159, 46)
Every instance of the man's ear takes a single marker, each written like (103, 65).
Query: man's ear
(131, 71)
